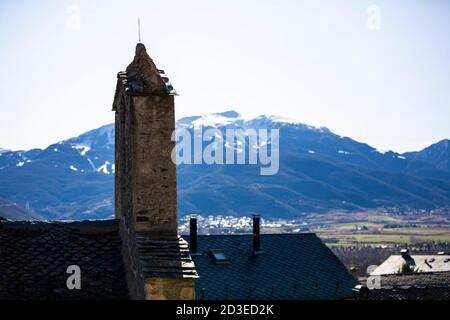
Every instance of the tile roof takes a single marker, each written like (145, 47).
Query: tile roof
(414, 286)
(292, 266)
(422, 263)
(35, 255)
(157, 258)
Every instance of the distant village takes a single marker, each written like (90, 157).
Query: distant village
(221, 224)
(394, 218)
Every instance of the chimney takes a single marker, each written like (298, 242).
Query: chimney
(404, 253)
(146, 187)
(256, 234)
(193, 239)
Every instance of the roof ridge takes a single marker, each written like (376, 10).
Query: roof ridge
(250, 234)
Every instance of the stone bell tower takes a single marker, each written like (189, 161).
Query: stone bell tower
(157, 259)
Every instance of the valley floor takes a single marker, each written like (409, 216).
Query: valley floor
(380, 229)
(368, 238)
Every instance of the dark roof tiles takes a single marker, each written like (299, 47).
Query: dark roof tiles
(35, 256)
(413, 286)
(291, 266)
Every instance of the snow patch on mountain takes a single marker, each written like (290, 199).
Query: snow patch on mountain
(82, 149)
(275, 118)
(213, 120)
(382, 151)
(104, 168)
(264, 121)
(92, 164)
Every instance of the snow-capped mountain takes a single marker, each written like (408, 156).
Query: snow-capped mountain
(71, 178)
(319, 171)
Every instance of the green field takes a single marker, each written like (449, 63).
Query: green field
(380, 229)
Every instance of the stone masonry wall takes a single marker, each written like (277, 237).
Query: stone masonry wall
(170, 289)
(119, 178)
(157, 261)
(154, 187)
(127, 183)
(133, 268)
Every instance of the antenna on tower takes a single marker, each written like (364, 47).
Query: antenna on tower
(139, 29)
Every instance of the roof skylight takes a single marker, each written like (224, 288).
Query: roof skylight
(218, 256)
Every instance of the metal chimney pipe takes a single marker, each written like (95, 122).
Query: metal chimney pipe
(256, 233)
(193, 238)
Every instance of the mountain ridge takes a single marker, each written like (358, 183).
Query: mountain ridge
(319, 171)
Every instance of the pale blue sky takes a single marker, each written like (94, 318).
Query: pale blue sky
(316, 61)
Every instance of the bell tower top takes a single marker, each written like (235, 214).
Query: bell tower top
(142, 77)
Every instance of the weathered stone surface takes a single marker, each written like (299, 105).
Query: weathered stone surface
(145, 183)
(153, 173)
(119, 178)
(133, 269)
(157, 261)
(170, 289)
(142, 74)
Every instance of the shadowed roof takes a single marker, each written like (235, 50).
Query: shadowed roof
(292, 266)
(35, 255)
(413, 286)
